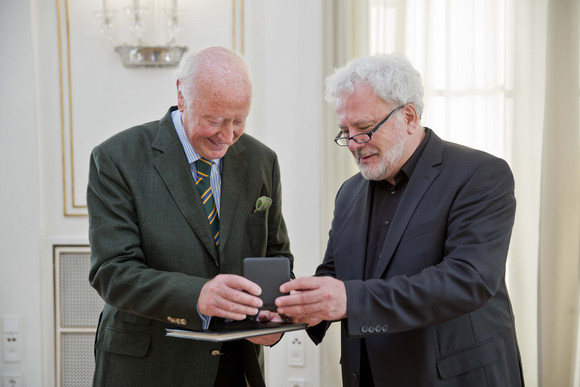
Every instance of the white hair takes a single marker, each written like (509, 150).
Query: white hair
(391, 76)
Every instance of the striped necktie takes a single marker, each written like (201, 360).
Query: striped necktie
(203, 184)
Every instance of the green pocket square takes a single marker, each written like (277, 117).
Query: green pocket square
(262, 204)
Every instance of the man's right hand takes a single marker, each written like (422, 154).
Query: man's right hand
(229, 296)
(313, 299)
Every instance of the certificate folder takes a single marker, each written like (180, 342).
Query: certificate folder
(236, 330)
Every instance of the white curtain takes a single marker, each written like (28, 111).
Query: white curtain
(560, 205)
(501, 76)
(344, 39)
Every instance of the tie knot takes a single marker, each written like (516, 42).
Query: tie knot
(203, 167)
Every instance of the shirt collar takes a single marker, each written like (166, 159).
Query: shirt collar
(407, 170)
(410, 165)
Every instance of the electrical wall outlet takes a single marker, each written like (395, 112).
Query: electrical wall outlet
(296, 383)
(11, 339)
(12, 380)
(296, 349)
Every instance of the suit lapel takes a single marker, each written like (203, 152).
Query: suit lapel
(424, 174)
(172, 166)
(233, 174)
(362, 224)
(353, 220)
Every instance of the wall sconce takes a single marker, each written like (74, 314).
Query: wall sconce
(143, 32)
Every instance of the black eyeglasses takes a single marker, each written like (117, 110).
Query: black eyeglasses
(361, 138)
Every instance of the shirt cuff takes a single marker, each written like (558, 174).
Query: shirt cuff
(205, 320)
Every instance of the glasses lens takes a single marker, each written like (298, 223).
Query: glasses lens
(361, 138)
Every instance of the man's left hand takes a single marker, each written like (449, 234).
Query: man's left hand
(272, 339)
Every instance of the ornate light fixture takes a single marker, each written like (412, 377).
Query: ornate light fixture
(147, 34)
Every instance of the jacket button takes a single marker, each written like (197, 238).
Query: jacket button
(371, 329)
(364, 329)
(183, 321)
(216, 352)
(378, 329)
(385, 328)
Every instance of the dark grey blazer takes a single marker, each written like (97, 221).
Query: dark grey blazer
(152, 251)
(436, 312)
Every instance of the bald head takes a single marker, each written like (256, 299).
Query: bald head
(215, 72)
(214, 95)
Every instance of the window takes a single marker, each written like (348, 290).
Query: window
(459, 47)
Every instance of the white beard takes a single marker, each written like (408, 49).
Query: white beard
(386, 163)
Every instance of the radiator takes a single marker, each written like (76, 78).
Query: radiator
(77, 309)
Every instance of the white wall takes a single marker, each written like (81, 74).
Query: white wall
(284, 47)
(20, 190)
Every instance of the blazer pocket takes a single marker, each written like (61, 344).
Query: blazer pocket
(131, 318)
(122, 342)
(424, 228)
(468, 359)
(258, 223)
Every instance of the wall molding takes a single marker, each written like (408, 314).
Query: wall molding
(72, 206)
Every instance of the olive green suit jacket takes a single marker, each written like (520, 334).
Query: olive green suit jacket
(152, 250)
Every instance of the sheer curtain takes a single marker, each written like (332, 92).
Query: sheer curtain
(501, 76)
(560, 205)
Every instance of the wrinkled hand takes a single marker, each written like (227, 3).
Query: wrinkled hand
(313, 299)
(225, 296)
(266, 315)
